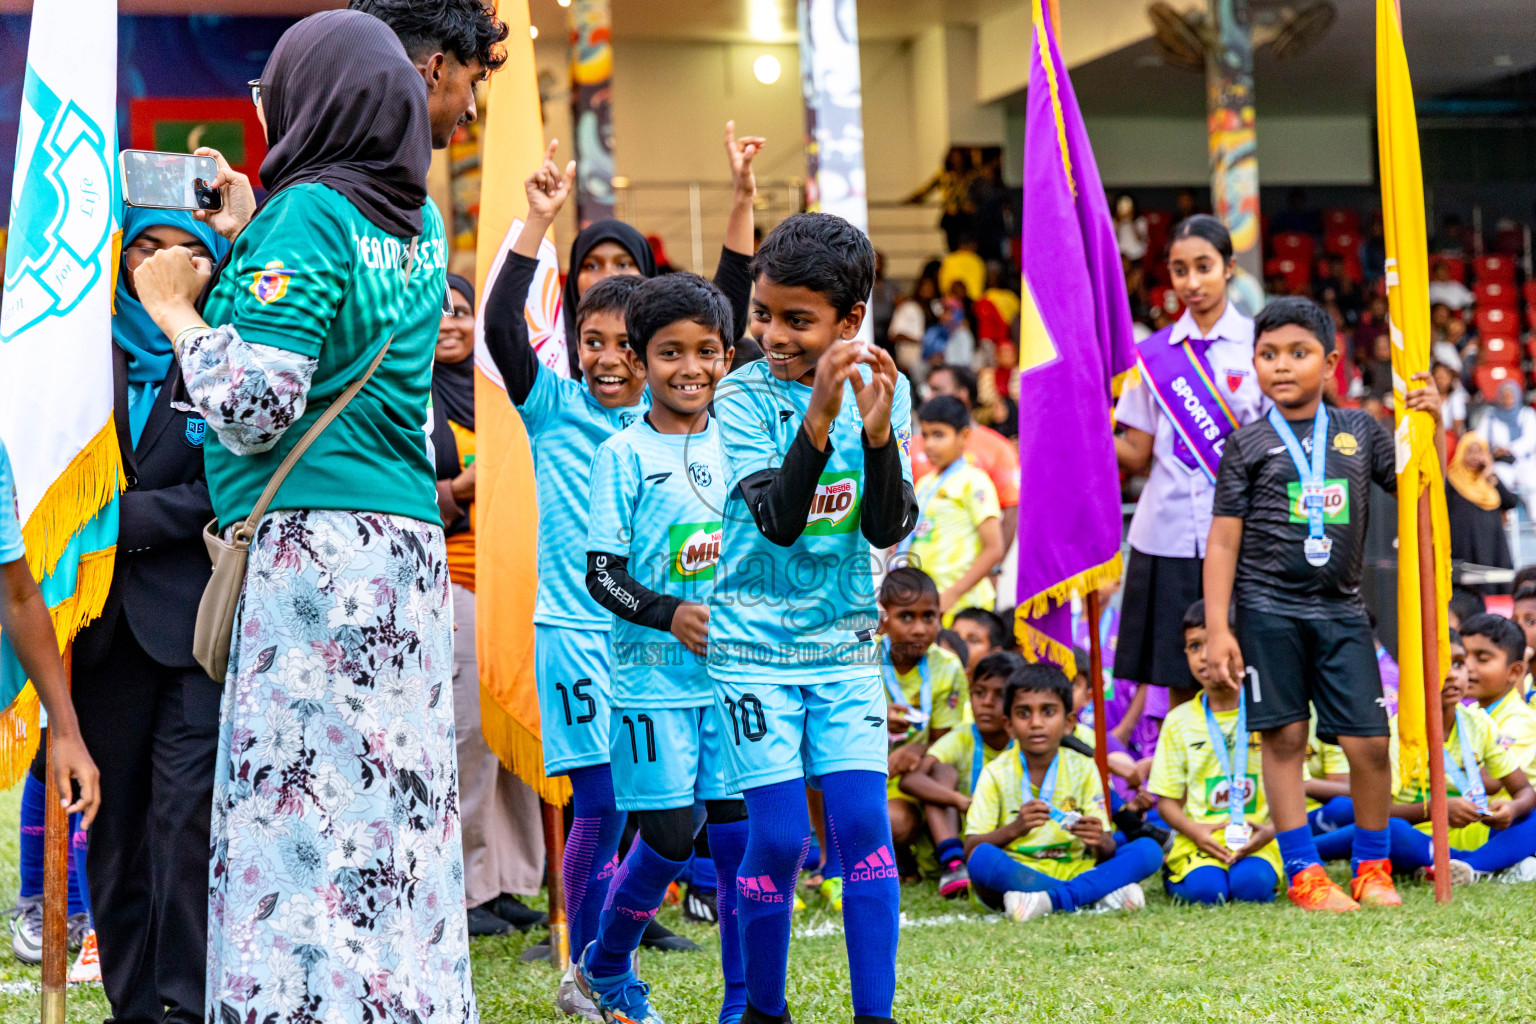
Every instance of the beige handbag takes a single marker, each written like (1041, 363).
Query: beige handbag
(221, 598)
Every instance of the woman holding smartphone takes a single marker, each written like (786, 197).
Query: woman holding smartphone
(336, 851)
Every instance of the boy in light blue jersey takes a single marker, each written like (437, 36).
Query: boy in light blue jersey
(653, 541)
(815, 438)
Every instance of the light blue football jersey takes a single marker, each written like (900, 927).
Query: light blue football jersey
(565, 425)
(658, 499)
(11, 546)
(785, 614)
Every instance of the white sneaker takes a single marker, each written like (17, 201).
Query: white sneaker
(1525, 871)
(87, 966)
(1127, 897)
(570, 1001)
(1462, 873)
(1026, 906)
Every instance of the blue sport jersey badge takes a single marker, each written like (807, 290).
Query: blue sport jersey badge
(197, 431)
(68, 216)
(270, 284)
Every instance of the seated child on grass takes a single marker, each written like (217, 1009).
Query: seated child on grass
(1217, 856)
(1037, 837)
(925, 686)
(1524, 614)
(983, 631)
(1327, 786)
(946, 777)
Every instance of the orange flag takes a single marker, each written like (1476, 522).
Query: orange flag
(506, 505)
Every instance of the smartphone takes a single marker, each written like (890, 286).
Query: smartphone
(169, 181)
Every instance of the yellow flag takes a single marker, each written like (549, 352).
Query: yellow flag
(1418, 464)
(506, 506)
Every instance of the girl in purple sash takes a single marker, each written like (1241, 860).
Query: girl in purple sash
(1196, 386)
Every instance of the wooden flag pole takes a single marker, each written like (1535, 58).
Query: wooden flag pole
(1434, 719)
(554, 855)
(1096, 677)
(55, 885)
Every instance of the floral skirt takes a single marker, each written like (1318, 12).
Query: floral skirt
(336, 889)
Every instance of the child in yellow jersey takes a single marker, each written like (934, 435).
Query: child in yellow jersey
(1495, 685)
(959, 535)
(1222, 852)
(925, 686)
(946, 778)
(1524, 613)
(1487, 835)
(1036, 833)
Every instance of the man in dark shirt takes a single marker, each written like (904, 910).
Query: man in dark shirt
(1287, 538)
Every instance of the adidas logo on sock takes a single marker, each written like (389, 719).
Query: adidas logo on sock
(760, 888)
(608, 869)
(879, 864)
(633, 914)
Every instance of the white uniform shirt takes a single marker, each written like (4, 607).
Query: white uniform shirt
(1173, 516)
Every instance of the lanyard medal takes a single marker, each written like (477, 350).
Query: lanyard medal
(1063, 819)
(917, 717)
(1317, 547)
(1233, 760)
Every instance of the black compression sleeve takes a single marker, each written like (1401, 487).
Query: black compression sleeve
(780, 499)
(1073, 743)
(611, 585)
(506, 328)
(735, 279)
(889, 512)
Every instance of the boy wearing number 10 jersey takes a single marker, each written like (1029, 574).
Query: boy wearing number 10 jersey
(653, 541)
(815, 438)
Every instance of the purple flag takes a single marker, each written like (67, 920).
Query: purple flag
(1075, 340)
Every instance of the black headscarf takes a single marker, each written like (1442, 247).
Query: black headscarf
(590, 238)
(453, 397)
(346, 108)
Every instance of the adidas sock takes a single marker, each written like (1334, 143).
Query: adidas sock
(31, 842)
(79, 891)
(634, 896)
(950, 851)
(859, 827)
(833, 868)
(727, 844)
(1370, 844)
(1297, 850)
(778, 838)
(590, 851)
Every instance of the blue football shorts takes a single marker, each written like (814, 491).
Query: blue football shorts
(575, 696)
(665, 758)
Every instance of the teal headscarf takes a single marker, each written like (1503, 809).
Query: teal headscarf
(147, 347)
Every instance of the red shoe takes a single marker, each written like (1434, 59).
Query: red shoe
(1312, 889)
(1372, 885)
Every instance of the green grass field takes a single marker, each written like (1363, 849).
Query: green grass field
(1466, 962)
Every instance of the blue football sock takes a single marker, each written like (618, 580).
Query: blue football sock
(1505, 847)
(950, 850)
(1410, 847)
(79, 891)
(833, 868)
(1132, 862)
(859, 828)
(591, 851)
(1208, 884)
(991, 867)
(727, 844)
(1370, 844)
(634, 896)
(778, 836)
(1297, 851)
(33, 793)
(1335, 845)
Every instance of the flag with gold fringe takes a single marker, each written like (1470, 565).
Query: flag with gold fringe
(506, 506)
(56, 335)
(1418, 463)
(1075, 345)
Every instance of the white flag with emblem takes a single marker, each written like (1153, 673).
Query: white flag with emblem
(56, 325)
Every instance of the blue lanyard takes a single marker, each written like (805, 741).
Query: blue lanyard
(1234, 759)
(976, 758)
(898, 697)
(1312, 477)
(1467, 777)
(922, 508)
(1495, 705)
(1047, 786)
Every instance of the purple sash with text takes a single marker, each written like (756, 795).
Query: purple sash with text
(1180, 378)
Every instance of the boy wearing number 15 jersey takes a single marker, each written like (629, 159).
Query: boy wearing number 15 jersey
(653, 544)
(815, 438)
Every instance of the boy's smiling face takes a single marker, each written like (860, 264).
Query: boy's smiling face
(913, 626)
(683, 363)
(610, 369)
(795, 326)
(1489, 671)
(1291, 365)
(1038, 721)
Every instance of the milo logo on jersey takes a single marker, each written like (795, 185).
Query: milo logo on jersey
(835, 508)
(694, 549)
(1335, 502)
(1218, 795)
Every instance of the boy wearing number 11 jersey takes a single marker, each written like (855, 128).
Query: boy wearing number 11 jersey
(653, 543)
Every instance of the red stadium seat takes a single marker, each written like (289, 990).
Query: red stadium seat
(1159, 224)
(1496, 268)
(1456, 263)
(1496, 321)
(1488, 378)
(1341, 219)
(1168, 300)
(1499, 349)
(1342, 243)
(1293, 245)
(1495, 294)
